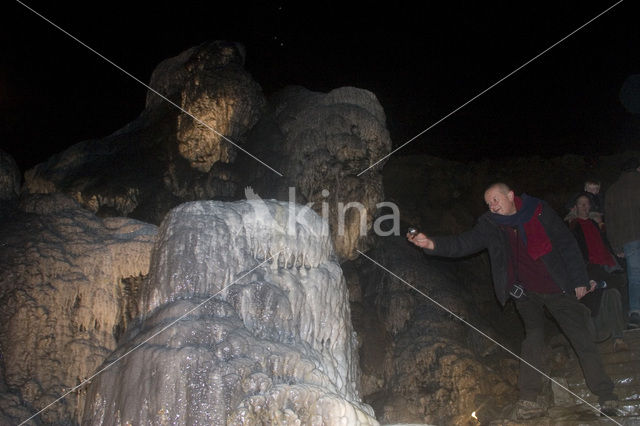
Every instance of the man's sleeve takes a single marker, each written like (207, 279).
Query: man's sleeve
(461, 245)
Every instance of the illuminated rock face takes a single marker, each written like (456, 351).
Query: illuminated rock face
(209, 82)
(63, 300)
(165, 157)
(246, 321)
(321, 142)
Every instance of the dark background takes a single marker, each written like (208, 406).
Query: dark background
(421, 61)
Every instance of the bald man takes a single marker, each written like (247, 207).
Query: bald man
(536, 261)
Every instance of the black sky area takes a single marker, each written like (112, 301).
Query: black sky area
(421, 61)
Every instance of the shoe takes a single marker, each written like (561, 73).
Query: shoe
(634, 320)
(609, 408)
(526, 410)
(619, 345)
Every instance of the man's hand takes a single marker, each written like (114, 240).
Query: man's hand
(421, 240)
(597, 217)
(583, 291)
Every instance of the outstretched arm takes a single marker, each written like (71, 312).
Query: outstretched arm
(454, 245)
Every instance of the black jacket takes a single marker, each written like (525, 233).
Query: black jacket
(564, 262)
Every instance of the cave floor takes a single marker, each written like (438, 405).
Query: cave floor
(623, 368)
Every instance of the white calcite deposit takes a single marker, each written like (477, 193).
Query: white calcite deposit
(245, 321)
(62, 301)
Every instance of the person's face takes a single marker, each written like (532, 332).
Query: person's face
(499, 202)
(583, 206)
(592, 188)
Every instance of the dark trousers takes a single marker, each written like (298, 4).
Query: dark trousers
(610, 321)
(617, 280)
(572, 317)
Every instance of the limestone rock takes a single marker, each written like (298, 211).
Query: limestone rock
(245, 321)
(420, 364)
(211, 84)
(165, 157)
(320, 142)
(62, 296)
(9, 177)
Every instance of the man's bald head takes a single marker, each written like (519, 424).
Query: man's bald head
(500, 199)
(502, 187)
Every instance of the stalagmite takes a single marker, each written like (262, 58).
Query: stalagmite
(245, 321)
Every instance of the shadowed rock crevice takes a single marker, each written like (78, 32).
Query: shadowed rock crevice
(129, 296)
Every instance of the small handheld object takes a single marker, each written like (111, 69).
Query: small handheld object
(412, 231)
(601, 284)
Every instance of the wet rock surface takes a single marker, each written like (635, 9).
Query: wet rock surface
(61, 269)
(622, 366)
(231, 335)
(568, 400)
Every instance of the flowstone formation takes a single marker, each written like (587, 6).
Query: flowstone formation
(246, 320)
(165, 156)
(321, 142)
(63, 301)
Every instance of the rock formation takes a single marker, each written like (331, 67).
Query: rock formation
(420, 364)
(208, 333)
(165, 157)
(246, 321)
(9, 177)
(320, 142)
(63, 292)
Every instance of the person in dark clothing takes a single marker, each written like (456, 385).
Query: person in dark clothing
(602, 267)
(597, 199)
(536, 261)
(622, 208)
